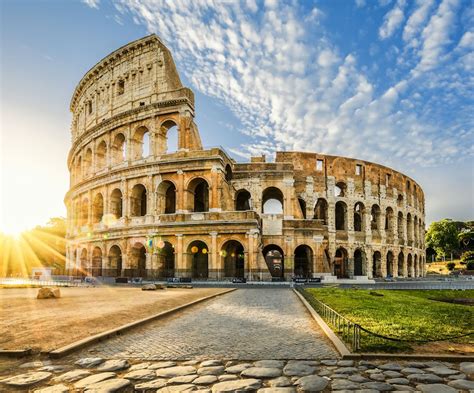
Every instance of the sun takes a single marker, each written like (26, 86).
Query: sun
(12, 231)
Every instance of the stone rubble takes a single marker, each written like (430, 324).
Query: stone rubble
(264, 376)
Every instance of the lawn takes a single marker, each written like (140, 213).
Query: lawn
(405, 314)
(47, 324)
(440, 267)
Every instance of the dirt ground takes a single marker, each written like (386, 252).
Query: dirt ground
(47, 324)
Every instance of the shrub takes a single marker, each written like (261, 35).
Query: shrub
(450, 266)
(467, 256)
(470, 265)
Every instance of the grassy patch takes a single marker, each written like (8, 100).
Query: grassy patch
(406, 315)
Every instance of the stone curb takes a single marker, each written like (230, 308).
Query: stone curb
(347, 354)
(336, 341)
(60, 352)
(15, 353)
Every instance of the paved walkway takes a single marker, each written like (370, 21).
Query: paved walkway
(249, 324)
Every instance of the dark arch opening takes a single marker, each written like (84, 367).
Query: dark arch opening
(302, 204)
(116, 203)
(199, 259)
(200, 191)
(390, 264)
(115, 261)
(139, 200)
(96, 262)
(358, 217)
(321, 211)
(232, 254)
(242, 201)
(358, 263)
(303, 261)
(228, 173)
(166, 259)
(341, 221)
(377, 264)
(274, 259)
(166, 197)
(341, 268)
(400, 264)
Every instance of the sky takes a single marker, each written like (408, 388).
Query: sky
(389, 81)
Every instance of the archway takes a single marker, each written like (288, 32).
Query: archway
(340, 189)
(138, 205)
(98, 209)
(199, 190)
(274, 259)
(228, 173)
(169, 136)
(96, 270)
(400, 264)
(415, 264)
(409, 265)
(116, 203)
(141, 143)
(359, 259)
(302, 204)
(101, 155)
(115, 261)
(321, 211)
(375, 218)
(341, 268)
(119, 149)
(166, 259)
(401, 236)
(88, 162)
(199, 259)
(389, 221)
(272, 201)
(85, 212)
(166, 194)
(341, 216)
(377, 264)
(84, 262)
(242, 200)
(303, 261)
(359, 217)
(233, 259)
(138, 265)
(390, 264)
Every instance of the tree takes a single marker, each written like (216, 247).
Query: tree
(450, 266)
(442, 236)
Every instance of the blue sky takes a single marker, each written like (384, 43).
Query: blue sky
(389, 81)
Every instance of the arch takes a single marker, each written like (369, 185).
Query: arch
(138, 200)
(377, 264)
(400, 200)
(243, 200)
(78, 168)
(303, 261)
(415, 266)
(199, 189)
(101, 155)
(170, 136)
(233, 259)
(166, 259)
(228, 173)
(141, 143)
(199, 254)
(390, 264)
(359, 214)
(84, 259)
(88, 162)
(302, 204)
(401, 258)
(341, 216)
(340, 189)
(341, 262)
(409, 266)
(359, 262)
(166, 194)
(85, 212)
(375, 217)
(96, 270)
(138, 261)
(115, 261)
(119, 149)
(409, 229)
(321, 210)
(275, 260)
(272, 201)
(400, 226)
(116, 203)
(97, 208)
(389, 221)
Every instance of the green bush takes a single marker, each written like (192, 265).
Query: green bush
(450, 266)
(467, 256)
(470, 265)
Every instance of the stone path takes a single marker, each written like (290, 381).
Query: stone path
(244, 324)
(216, 376)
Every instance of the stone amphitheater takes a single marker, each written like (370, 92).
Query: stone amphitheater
(147, 200)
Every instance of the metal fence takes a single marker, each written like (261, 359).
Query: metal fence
(39, 283)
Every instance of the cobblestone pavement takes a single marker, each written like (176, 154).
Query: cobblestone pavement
(216, 376)
(244, 324)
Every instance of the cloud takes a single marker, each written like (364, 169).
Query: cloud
(392, 20)
(92, 3)
(416, 20)
(295, 90)
(360, 3)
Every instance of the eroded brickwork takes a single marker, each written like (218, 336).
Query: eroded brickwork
(138, 206)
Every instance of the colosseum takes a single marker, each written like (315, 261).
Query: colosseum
(147, 200)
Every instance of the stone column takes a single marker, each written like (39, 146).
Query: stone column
(289, 257)
(214, 200)
(180, 193)
(181, 268)
(288, 199)
(214, 271)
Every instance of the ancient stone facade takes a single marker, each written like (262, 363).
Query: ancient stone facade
(139, 206)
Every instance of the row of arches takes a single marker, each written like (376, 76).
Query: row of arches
(120, 148)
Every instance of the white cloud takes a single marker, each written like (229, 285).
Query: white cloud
(392, 20)
(92, 3)
(291, 92)
(467, 40)
(436, 36)
(416, 20)
(360, 3)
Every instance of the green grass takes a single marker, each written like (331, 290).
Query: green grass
(404, 314)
